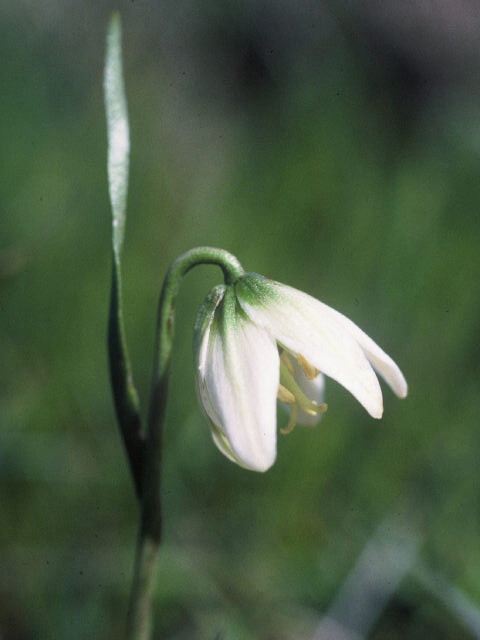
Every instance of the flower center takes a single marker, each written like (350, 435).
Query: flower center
(290, 392)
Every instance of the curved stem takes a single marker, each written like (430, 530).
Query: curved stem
(139, 617)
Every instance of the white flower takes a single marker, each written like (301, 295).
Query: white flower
(257, 341)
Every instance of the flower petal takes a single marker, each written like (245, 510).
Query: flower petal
(237, 377)
(381, 362)
(305, 326)
(203, 323)
(201, 335)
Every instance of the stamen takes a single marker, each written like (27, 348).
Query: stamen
(287, 380)
(308, 369)
(287, 362)
(290, 393)
(284, 395)
(315, 408)
(288, 428)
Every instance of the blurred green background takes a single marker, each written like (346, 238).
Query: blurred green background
(331, 146)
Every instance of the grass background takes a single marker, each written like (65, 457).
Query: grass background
(332, 147)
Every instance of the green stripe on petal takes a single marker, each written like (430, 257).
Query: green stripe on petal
(256, 290)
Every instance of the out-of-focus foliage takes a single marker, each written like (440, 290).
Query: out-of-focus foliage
(333, 148)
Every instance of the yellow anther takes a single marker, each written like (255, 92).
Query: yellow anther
(308, 369)
(284, 395)
(314, 408)
(288, 428)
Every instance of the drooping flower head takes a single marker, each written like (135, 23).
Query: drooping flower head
(258, 341)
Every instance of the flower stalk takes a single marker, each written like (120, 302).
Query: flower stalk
(150, 530)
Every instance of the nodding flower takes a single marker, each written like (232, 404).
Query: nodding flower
(258, 341)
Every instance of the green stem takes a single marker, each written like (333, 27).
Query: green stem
(139, 617)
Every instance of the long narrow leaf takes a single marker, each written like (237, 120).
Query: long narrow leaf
(124, 392)
(117, 133)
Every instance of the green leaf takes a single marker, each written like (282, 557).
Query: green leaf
(124, 393)
(117, 132)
